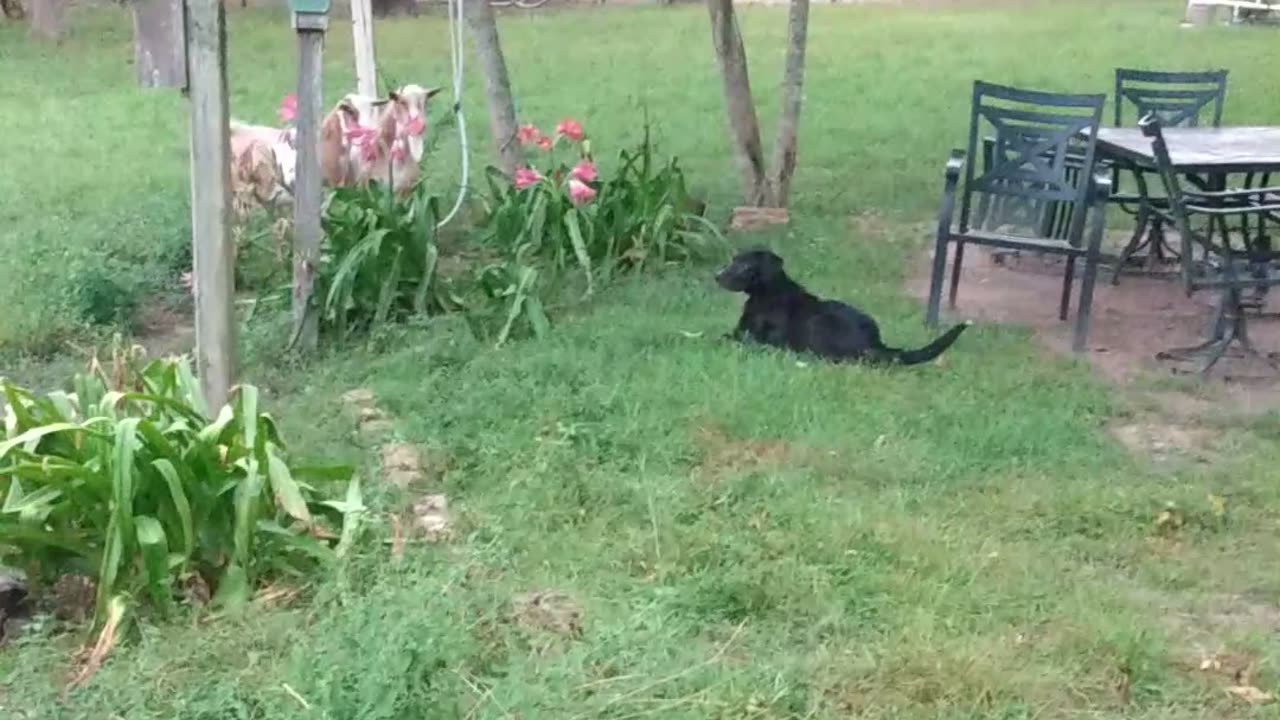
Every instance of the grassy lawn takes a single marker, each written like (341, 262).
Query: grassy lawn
(744, 536)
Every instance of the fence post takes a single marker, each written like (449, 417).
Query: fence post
(310, 20)
(211, 201)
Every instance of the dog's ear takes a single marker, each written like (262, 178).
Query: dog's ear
(770, 265)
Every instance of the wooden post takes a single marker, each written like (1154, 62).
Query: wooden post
(362, 35)
(307, 232)
(211, 200)
(159, 43)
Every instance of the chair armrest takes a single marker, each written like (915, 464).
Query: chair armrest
(1231, 194)
(1099, 193)
(951, 175)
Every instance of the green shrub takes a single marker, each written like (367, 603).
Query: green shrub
(127, 478)
(565, 215)
(379, 258)
(105, 293)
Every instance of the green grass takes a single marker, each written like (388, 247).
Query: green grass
(746, 537)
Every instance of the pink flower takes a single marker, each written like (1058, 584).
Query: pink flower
(414, 125)
(544, 143)
(288, 109)
(571, 129)
(528, 135)
(580, 192)
(525, 176)
(366, 141)
(585, 171)
(399, 151)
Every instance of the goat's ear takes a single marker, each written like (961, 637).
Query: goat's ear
(431, 92)
(244, 162)
(394, 96)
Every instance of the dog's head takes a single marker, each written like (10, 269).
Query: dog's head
(750, 271)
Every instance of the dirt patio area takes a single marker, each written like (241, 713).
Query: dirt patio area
(1131, 323)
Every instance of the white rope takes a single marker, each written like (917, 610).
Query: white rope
(455, 53)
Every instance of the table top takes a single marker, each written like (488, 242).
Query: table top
(1203, 150)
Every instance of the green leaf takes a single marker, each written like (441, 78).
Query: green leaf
(155, 561)
(248, 396)
(287, 493)
(122, 475)
(387, 295)
(352, 511)
(233, 589)
(112, 552)
(571, 219)
(181, 506)
(302, 543)
(34, 507)
(537, 316)
(32, 437)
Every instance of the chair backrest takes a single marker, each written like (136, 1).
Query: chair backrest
(1178, 99)
(1192, 269)
(1039, 154)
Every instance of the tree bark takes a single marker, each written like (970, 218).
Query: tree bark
(159, 44)
(736, 84)
(784, 148)
(49, 19)
(13, 9)
(497, 85)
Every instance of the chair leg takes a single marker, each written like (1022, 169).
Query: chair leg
(1135, 242)
(936, 279)
(1069, 278)
(956, 264)
(1085, 309)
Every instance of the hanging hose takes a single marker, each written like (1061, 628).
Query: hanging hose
(456, 20)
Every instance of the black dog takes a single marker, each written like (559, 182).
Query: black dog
(781, 313)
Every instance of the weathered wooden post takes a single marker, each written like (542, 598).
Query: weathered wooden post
(310, 20)
(362, 36)
(159, 43)
(211, 200)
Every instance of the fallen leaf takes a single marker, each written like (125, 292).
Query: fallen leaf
(1250, 694)
(1219, 505)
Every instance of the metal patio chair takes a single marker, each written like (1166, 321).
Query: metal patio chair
(1228, 267)
(1035, 191)
(1179, 99)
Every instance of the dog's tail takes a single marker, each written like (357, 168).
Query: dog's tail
(930, 351)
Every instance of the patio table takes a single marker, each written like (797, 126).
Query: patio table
(1212, 152)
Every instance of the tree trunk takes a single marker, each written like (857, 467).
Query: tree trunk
(13, 9)
(49, 18)
(159, 44)
(387, 8)
(497, 85)
(736, 84)
(784, 148)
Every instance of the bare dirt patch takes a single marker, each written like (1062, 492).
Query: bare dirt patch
(1131, 323)
(724, 455)
(1164, 441)
(165, 331)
